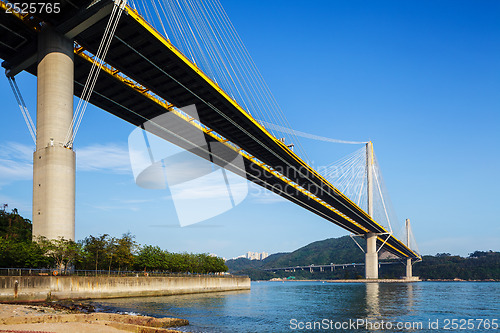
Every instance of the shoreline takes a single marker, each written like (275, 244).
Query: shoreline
(69, 316)
(378, 280)
(352, 281)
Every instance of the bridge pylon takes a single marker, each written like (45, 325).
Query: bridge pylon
(371, 254)
(53, 162)
(409, 263)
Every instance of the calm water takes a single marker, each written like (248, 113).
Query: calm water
(287, 307)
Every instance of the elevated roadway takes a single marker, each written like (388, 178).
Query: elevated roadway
(146, 76)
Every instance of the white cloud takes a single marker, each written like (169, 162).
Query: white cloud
(207, 189)
(117, 207)
(15, 162)
(108, 157)
(18, 151)
(11, 171)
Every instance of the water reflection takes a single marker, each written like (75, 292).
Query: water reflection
(409, 296)
(372, 300)
(183, 306)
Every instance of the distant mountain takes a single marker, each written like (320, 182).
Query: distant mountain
(477, 266)
(333, 250)
(244, 263)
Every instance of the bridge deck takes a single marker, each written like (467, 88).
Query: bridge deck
(149, 61)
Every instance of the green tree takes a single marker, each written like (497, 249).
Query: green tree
(63, 252)
(124, 251)
(17, 250)
(150, 258)
(94, 248)
(22, 254)
(110, 250)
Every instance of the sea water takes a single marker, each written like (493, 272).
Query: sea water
(330, 307)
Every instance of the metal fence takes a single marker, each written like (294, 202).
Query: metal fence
(75, 272)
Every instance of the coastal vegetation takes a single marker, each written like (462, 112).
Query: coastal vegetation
(102, 252)
(479, 265)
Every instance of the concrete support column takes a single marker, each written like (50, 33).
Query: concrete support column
(54, 164)
(409, 269)
(371, 257)
(409, 273)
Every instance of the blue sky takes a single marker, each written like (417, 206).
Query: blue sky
(421, 79)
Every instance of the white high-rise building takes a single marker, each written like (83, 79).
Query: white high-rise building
(253, 256)
(256, 256)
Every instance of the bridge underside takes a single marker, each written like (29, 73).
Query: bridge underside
(141, 54)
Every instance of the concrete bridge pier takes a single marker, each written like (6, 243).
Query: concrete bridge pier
(409, 269)
(53, 163)
(371, 257)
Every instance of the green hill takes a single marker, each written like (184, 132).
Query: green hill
(477, 266)
(333, 250)
(13, 226)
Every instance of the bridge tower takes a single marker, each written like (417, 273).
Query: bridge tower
(53, 162)
(409, 268)
(371, 254)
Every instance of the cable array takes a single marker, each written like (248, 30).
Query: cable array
(349, 175)
(202, 30)
(282, 129)
(409, 238)
(413, 243)
(22, 106)
(383, 210)
(94, 71)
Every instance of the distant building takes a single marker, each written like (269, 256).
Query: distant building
(256, 255)
(253, 256)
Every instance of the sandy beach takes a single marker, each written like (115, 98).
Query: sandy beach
(36, 318)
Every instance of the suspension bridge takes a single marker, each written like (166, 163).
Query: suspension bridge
(141, 59)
